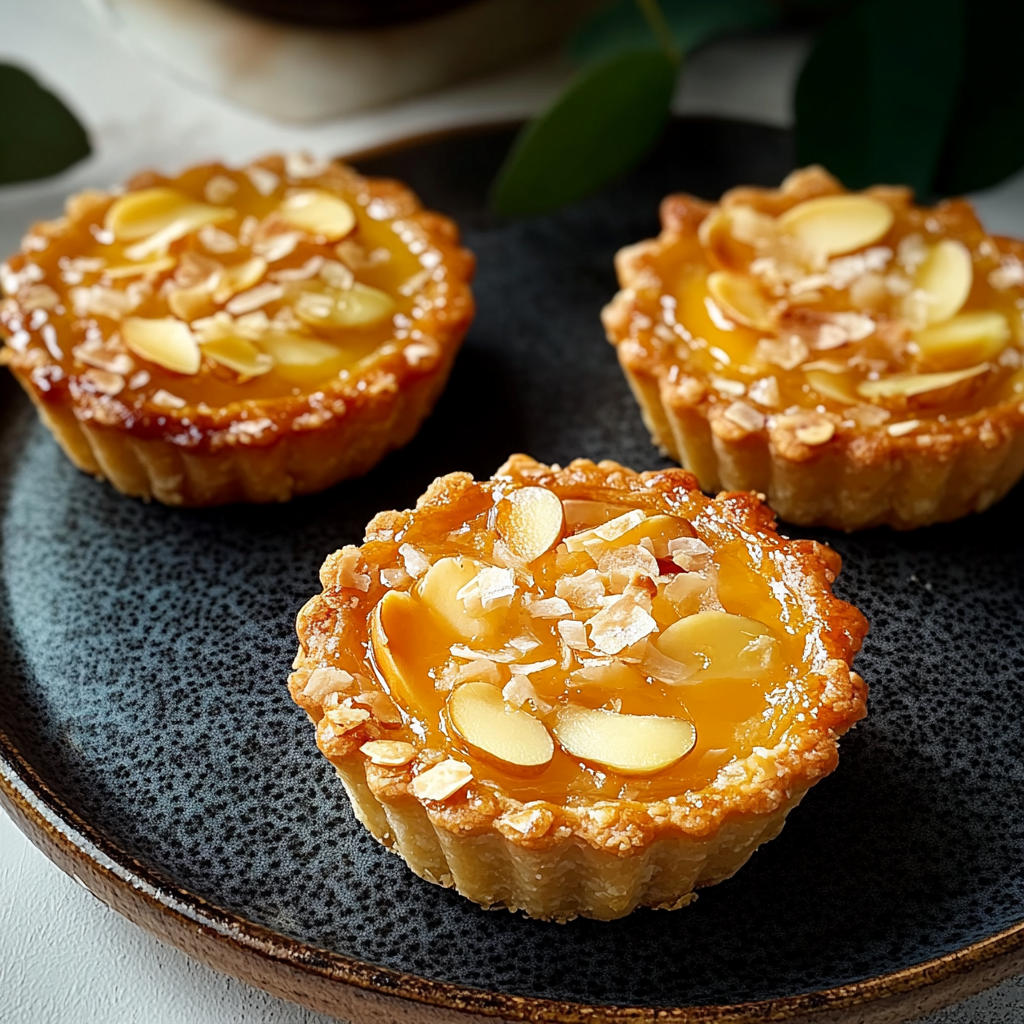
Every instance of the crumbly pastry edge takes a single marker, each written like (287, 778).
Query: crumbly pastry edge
(192, 458)
(603, 858)
(850, 482)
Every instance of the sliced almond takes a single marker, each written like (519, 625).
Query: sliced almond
(239, 355)
(480, 716)
(439, 588)
(945, 276)
(718, 645)
(143, 213)
(530, 521)
(390, 753)
(156, 266)
(740, 299)
(910, 384)
(965, 339)
(167, 342)
(836, 386)
(358, 306)
(814, 434)
(441, 781)
(294, 350)
(630, 744)
(238, 277)
(393, 615)
(833, 225)
(583, 512)
(318, 213)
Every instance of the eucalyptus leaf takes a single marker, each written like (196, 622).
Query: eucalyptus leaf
(876, 95)
(40, 136)
(623, 27)
(610, 115)
(985, 141)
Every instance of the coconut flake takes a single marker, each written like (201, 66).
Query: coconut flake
(416, 563)
(583, 591)
(573, 634)
(621, 624)
(549, 608)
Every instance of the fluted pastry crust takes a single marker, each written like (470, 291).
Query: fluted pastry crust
(593, 857)
(151, 444)
(899, 470)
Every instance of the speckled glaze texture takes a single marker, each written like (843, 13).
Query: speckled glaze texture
(144, 651)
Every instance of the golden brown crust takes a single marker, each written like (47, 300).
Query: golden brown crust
(860, 475)
(196, 454)
(332, 632)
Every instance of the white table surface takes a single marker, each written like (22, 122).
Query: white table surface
(65, 958)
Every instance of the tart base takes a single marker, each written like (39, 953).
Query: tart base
(293, 464)
(568, 879)
(898, 482)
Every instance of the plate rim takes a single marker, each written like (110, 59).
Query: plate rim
(257, 955)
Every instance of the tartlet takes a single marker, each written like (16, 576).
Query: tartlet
(578, 691)
(853, 356)
(236, 334)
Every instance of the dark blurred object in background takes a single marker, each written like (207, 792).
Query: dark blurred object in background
(351, 13)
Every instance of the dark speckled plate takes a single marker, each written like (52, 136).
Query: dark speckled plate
(147, 740)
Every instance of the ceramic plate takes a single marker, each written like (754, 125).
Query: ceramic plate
(148, 743)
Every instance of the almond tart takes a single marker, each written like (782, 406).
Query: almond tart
(236, 335)
(853, 356)
(578, 691)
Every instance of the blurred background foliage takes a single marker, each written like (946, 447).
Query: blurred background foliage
(919, 92)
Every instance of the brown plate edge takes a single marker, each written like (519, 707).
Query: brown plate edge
(335, 984)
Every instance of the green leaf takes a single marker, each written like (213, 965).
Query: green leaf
(875, 97)
(985, 141)
(623, 27)
(40, 136)
(607, 119)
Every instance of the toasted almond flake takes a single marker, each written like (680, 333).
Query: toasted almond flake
(619, 625)
(95, 353)
(690, 553)
(530, 668)
(549, 608)
(157, 266)
(318, 213)
(166, 400)
(389, 753)
(301, 164)
(346, 719)
(786, 352)
(582, 591)
(492, 587)
(304, 273)
(530, 821)
(104, 381)
(325, 680)
(255, 298)
(729, 387)
(349, 571)
(417, 352)
(441, 781)
(277, 247)
(665, 669)
(904, 427)
(166, 341)
(263, 180)
(910, 384)
(380, 705)
(38, 296)
(415, 561)
(573, 634)
(739, 297)
(815, 433)
(765, 392)
(394, 577)
(468, 654)
(213, 239)
(139, 380)
(745, 417)
(336, 274)
(608, 532)
(519, 692)
(219, 189)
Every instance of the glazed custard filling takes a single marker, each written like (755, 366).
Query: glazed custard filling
(858, 305)
(219, 286)
(576, 648)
